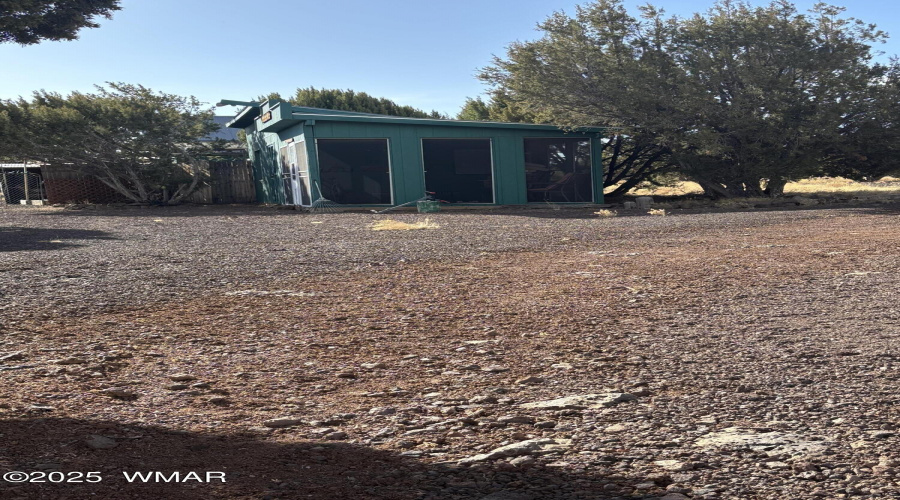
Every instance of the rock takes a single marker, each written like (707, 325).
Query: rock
(278, 423)
(120, 393)
(200, 385)
(384, 432)
(41, 408)
(772, 443)
(182, 377)
(582, 402)
(674, 465)
(548, 424)
(884, 470)
(374, 366)
(522, 461)
(219, 400)
(882, 434)
(70, 361)
(562, 366)
(98, 442)
(382, 411)
(643, 202)
(615, 429)
(176, 387)
(673, 496)
(529, 447)
(13, 356)
(336, 435)
(346, 374)
(495, 369)
(530, 381)
(481, 400)
(516, 419)
(19, 367)
(473, 368)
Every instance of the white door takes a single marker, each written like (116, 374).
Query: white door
(301, 189)
(296, 192)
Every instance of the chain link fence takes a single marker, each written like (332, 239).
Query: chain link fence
(16, 187)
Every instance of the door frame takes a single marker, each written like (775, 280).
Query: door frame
(493, 165)
(590, 166)
(390, 159)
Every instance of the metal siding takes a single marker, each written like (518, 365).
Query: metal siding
(407, 177)
(309, 133)
(413, 178)
(265, 169)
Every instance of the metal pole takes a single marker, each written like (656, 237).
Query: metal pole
(25, 182)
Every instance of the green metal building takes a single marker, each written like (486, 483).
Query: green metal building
(361, 159)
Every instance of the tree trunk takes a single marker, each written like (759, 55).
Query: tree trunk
(775, 187)
(713, 189)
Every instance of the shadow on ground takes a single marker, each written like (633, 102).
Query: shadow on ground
(16, 239)
(255, 466)
(171, 211)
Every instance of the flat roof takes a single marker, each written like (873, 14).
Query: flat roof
(249, 113)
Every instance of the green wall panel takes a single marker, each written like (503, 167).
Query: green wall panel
(407, 177)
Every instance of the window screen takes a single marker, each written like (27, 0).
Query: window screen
(355, 171)
(558, 170)
(459, 170)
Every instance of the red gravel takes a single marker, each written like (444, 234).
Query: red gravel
(411, 344)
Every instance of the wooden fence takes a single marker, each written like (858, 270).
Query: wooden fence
(230, 181)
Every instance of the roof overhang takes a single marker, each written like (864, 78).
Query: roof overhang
(280, 114)
(246, 116)
(325, 115)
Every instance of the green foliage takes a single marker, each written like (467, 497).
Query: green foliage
(475, 110)
(139, 142)
(870, 138)
(350, 100)
(741, 98)
(31, 21)
(500, 108)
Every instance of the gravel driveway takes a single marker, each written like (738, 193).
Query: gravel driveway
(507, 355)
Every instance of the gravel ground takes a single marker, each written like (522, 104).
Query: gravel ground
(507, 355)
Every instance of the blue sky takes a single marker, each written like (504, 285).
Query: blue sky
(424, 53)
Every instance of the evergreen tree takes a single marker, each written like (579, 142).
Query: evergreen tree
(32, 21)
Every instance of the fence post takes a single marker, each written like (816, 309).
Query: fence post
(4, 188)
(25, 182)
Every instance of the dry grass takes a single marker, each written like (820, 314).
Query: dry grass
(842, 186)
(886, 186)
(395, 225)
(678, 189)
(606, 213)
